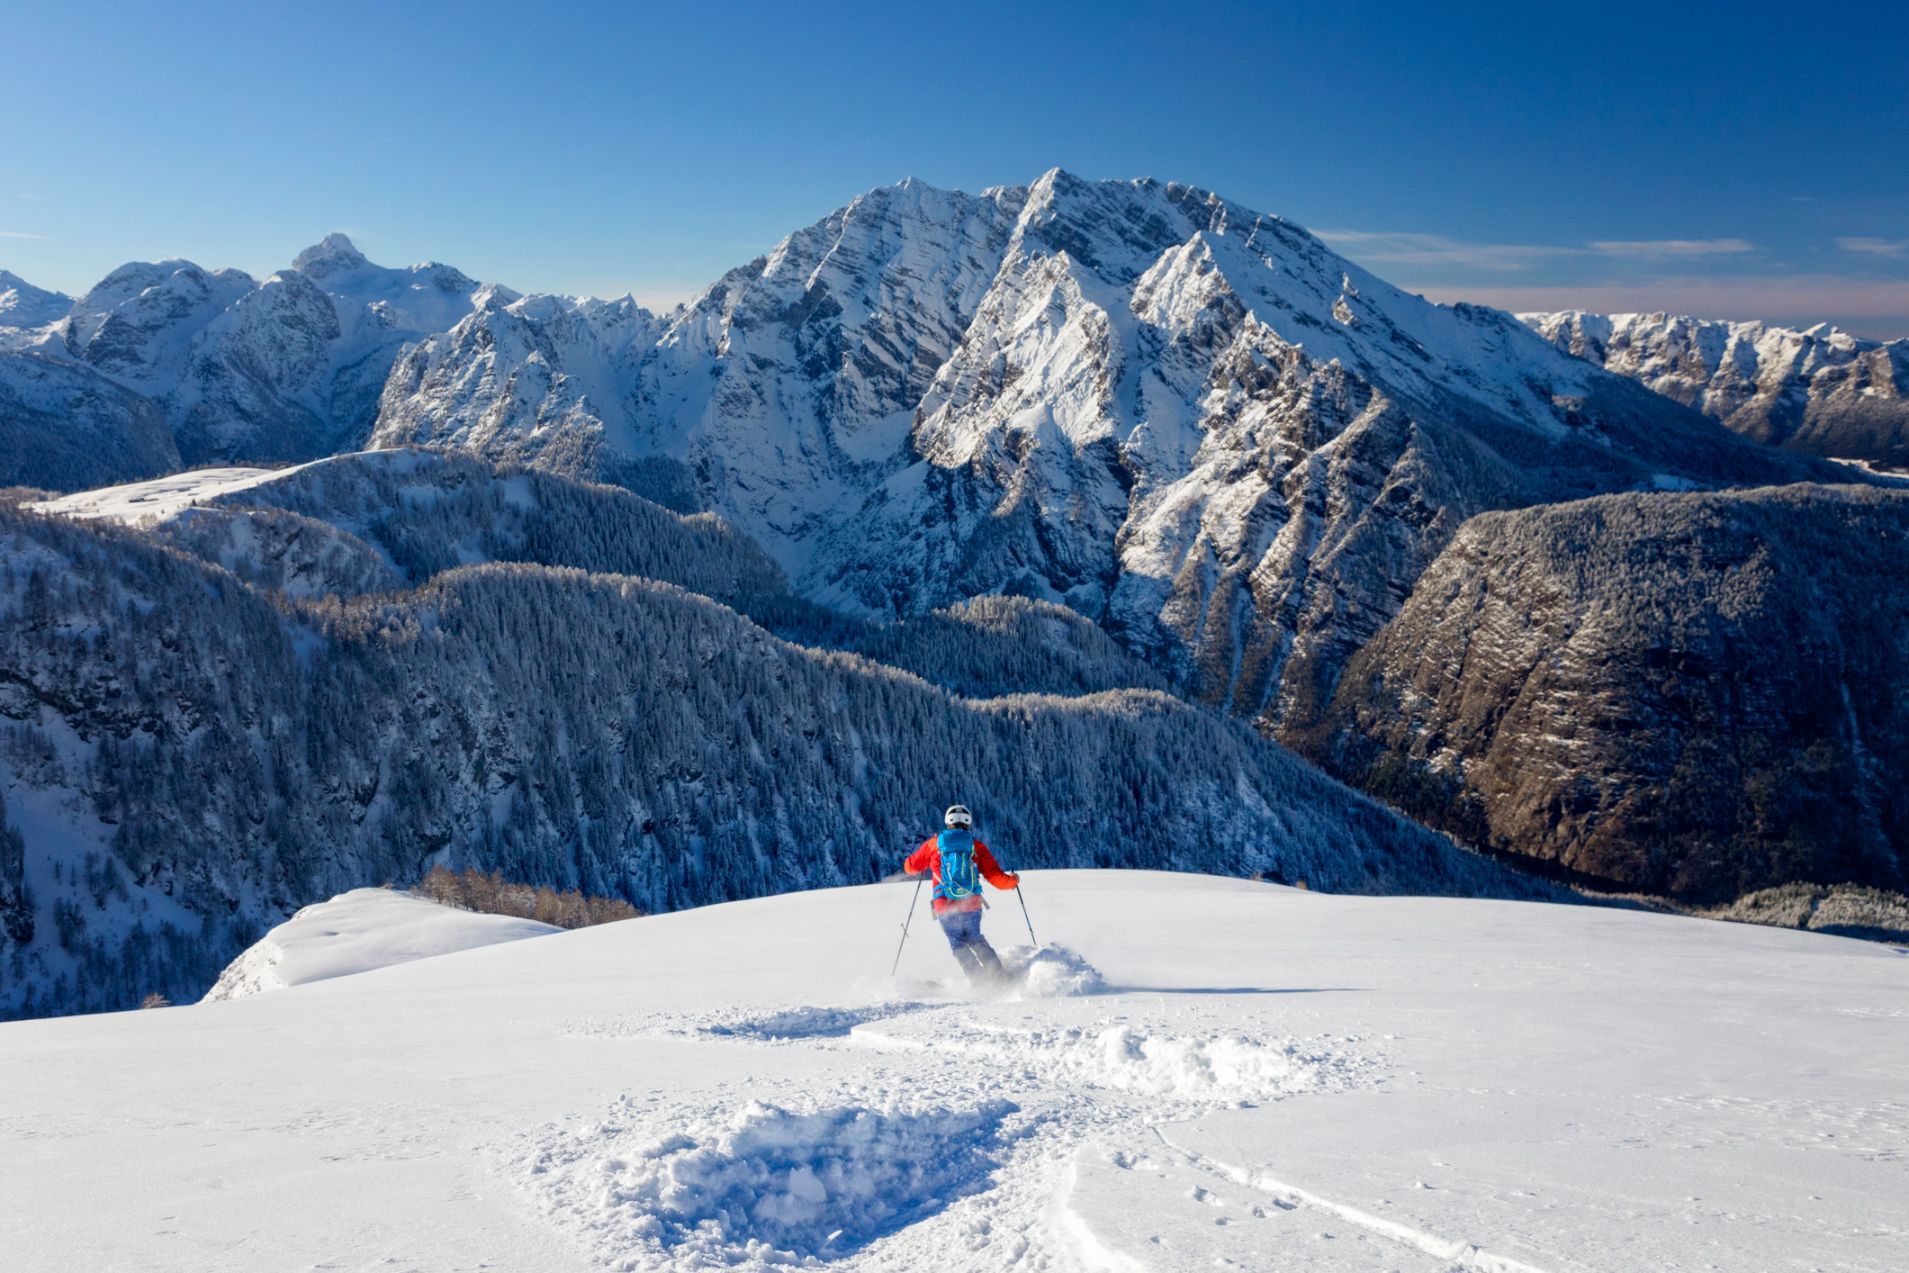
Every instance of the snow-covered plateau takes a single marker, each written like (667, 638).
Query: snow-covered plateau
(1257, 1078)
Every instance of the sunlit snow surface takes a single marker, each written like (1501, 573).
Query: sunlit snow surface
(1263, 1079)
(359, 931)
(160, 498)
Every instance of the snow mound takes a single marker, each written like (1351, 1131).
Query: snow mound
(1226, 1067)
(762, 1187)
(357, 931)
(1052, 972)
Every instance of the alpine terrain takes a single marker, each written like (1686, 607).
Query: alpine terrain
(1082, 494)
(278, 685)
(1689, 694)
(1823, 390)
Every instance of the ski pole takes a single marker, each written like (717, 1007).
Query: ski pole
(1020, 893)
(904, 926)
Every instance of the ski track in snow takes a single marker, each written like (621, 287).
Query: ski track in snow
(959, 1141)
(1450, 1252)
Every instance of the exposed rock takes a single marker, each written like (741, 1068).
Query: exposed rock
(1695, 695)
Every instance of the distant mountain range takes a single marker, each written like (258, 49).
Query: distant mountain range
(1822, 390)
(1240, 462)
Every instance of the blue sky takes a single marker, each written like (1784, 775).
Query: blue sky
(1743, 160)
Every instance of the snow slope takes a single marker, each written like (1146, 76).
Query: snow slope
(1267, 1079)
(357, 931)
(135, 503)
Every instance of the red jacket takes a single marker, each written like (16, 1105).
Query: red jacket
(928, 858)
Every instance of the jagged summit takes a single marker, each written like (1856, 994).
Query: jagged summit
(286, 368)
(1189, 420)
(333, 254)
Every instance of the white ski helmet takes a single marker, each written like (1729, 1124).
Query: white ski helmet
(958, 816)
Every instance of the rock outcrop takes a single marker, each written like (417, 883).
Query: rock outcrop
(1694, 695)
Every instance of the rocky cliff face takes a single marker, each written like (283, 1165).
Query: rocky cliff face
(1698, 695)
(1822, 391)
(539, 377)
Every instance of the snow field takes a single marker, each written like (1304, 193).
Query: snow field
(1272, 1080)
(969, 1120)
(161, 497)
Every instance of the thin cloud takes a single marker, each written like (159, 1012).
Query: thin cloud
(1404, 247)
(1866, 306)
(1671, 247)
(1400, 247)
(19, 234)
(1874, 247)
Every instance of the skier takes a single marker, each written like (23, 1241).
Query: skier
(958, 863)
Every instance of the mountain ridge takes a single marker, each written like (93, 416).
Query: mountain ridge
(1818, 390)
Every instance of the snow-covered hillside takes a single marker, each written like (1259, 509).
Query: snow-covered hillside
(359, 931)
(63, 426)
(1265, 1079)
(342, 674)
(1819, 390)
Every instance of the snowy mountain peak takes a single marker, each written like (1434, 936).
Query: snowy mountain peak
(1135, 397)
(24, 305)
(333, 254)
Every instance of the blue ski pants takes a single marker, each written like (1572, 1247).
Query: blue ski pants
(971, 949)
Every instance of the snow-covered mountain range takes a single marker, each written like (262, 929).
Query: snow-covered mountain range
(914, 431)
(1190, 421)
(1819, 390)
(1185, 419)
(287, 368)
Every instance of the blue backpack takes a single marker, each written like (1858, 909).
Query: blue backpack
(960, 877)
